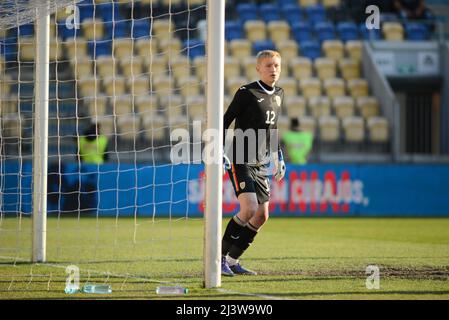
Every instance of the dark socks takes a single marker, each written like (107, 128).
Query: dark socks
(239, 246)
(233, 230)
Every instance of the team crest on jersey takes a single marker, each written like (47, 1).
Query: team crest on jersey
(242, 185)
(278, 100)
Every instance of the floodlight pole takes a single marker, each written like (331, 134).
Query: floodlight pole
(214, 169)
(40, 143)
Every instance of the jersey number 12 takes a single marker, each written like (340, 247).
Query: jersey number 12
(270, 117)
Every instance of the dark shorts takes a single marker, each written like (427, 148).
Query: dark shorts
(251, 179)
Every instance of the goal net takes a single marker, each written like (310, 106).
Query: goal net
(123, 76)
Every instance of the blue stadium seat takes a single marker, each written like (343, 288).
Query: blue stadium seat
(348, 31)
(325, 31)
(86, 9)
(366, 34)
(26, 30)
(263, 45)
(233, 30)
(194, 48)
(285, 2)
(269, 12)
(416, 31)
(8, 48)
(99, 48)
(316, 13)
(310, 49)
(117, 29)
(292, 13)
(301, 31)
(141, 29)
(108, 11)
(247, 11)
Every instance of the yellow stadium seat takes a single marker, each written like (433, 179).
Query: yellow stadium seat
(106, 66)
(96, 106)
(89, 86)
(56, 50)
(189, 86)
(329, 129)
(8, 104)
(310, 87)
(283, 125)
(232, 67)
(354, 49)
(358, 87)
(173, 107)
(289, 50)
(296, 106)
(378, 129)
(122, 105)
(368, 107)
(162, 28)
(301, 68)
(331, 3)
(249, 67)
(82, 67)
(289, 85)
(308, 3)
(171, 2)
(333, 49)
(234, 84)
(123, 48)
(278, 31)
(146, 104)
(129, 127)
(75, 47)
(320, 106)
(326, 68)
(344, 107)
(154, 128)
(240, 48)
(196, 107)
(334, 87)
(11, 126)
(393, 31)
(307, 124)
(227, 99)
(255, 30)
(354, 129)
(114, 86)
(180, 66)
(132, 66)
(196, 2)
(146, 47)
(139, 85)
(93, 29)
(155, 65)
(163, 85)
(107, 123)
(170, 48)
(26, 48)
(349, 68)
(199, 67)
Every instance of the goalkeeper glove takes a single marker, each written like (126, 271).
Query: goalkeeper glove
(280, 167)
(226, 163)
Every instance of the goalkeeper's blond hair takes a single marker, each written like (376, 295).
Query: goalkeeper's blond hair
(267, 54)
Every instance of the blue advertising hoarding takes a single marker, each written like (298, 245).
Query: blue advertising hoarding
(168, 190)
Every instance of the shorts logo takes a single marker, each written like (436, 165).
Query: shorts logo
(242, 185)
(278, 100)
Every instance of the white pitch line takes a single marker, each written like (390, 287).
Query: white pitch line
(251, 294)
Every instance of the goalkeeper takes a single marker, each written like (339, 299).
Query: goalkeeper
(256, 106)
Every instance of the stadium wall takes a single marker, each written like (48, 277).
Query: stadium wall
(313, 190)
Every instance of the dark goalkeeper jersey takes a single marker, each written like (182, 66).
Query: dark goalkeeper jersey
(256, 107)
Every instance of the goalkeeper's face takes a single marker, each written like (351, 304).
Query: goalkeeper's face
(269, 69)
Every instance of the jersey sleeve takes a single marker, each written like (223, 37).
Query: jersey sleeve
(235, 109)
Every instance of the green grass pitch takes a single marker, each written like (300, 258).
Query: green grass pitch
(296, 258)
